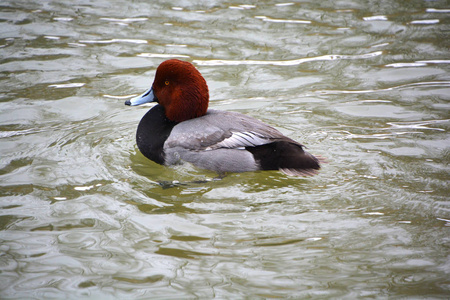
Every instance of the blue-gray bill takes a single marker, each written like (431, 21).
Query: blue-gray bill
(146, 97)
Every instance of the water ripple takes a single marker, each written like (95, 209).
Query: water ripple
(292, 21)
(293, 62)
(425, 22)
(375, 18)
(67, 85)
(418, 124)
(398, 87)
(111, 41)
(125, 20)
(162, 55)
(438, 10)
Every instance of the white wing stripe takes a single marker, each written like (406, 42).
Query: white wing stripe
(242, 139)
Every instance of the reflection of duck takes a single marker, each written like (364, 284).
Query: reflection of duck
(182, 129)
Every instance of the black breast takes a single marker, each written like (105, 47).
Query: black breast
(152, 132)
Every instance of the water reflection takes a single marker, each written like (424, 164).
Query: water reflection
(83, 213)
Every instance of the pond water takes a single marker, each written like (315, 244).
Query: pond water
(364, 84)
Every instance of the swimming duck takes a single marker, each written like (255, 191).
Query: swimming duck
(181, 128)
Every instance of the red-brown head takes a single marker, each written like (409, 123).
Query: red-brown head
(181, 90)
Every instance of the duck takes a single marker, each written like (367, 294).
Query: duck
(181, 129)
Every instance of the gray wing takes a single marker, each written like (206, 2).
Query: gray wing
(220, 129)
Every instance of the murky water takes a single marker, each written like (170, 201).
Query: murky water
(365, 84)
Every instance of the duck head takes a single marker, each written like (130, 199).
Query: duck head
(179, 88)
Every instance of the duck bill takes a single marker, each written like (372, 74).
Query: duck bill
(146, 97)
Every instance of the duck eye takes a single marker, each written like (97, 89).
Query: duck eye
(167, 82)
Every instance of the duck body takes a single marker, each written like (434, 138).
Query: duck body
(216, 140)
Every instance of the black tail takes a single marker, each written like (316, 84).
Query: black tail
(288, 157)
